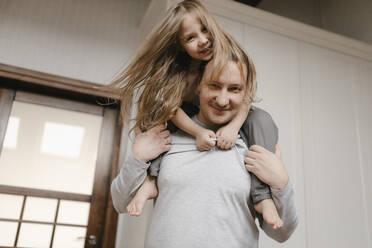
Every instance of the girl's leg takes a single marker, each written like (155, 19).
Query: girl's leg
(147, 191)
(260, 129)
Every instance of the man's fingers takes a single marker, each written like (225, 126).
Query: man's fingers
(277, 151)
(257, 148)
(249, 160)
(158, 128)
(165, 134)
(250, 168)
(137, 131)
(168, 140)
(167, 148)
(252, 154)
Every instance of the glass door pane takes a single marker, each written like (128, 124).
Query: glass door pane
(49, 148)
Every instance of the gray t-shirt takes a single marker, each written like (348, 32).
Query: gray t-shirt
(204, 198)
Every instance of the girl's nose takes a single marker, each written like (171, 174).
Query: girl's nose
(203, 40)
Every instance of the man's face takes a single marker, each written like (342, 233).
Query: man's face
(221, 99)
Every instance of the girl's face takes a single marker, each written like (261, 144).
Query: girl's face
(195, 38)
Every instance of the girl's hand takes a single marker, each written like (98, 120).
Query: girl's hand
(267, 166)
(226, 137)
(150, 144)
(205, 140)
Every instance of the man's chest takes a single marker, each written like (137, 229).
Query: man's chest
(213, 172)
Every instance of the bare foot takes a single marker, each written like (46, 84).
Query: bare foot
(147, 191)
(270, 214)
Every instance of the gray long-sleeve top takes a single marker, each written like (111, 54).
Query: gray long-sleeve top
(204, 198)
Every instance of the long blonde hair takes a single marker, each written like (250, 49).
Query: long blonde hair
(159, 69)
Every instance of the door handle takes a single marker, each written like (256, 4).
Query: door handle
(92, 239)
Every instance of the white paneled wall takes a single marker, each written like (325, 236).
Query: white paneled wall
(334, 188)
(88, 40)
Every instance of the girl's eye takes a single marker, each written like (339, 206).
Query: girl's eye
(213, 86)
(204, 30)
(190, 38)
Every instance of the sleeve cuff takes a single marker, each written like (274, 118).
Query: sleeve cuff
(284, 191)
(134, 161)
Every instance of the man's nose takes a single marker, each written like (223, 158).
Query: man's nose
(222, 99)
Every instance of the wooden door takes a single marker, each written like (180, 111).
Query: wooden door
(54, 186)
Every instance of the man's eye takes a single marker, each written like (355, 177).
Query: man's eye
(235, 89)
(213, 86)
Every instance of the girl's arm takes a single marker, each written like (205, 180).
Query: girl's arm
(228, 134)
(204, 137)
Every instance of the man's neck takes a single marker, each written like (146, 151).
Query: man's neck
(199, 121)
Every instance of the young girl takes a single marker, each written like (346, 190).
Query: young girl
(166, 71)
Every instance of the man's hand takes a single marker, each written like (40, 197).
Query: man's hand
(226, 137)
(205, 140)
(150, 144)
(267, 166)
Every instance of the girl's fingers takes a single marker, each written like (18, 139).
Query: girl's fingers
(211, 143)
(212, 135)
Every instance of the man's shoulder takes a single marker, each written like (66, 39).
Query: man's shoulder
(181, 136)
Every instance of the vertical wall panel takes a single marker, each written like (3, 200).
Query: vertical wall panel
(335, 216)
(363, 115)
(276, 61)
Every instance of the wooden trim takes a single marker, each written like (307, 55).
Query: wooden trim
(57, 82)
(5, 189)
(58, 103)
(41, 223)
(6, 103)
(54, 224)
(111, 222)
(102, 178)
(19, 223)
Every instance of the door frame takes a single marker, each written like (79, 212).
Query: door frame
(56, 91)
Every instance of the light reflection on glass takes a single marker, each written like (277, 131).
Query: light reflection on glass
(62, 140)
(11, 135)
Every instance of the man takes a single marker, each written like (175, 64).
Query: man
(204, 197)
